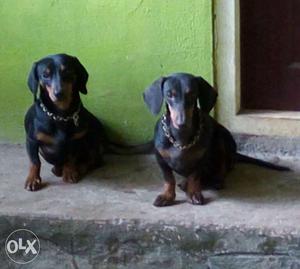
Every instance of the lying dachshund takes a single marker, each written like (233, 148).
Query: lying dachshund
(57, 125)
(189, 141)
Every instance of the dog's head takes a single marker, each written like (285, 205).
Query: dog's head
(182, 94)
(60, 77)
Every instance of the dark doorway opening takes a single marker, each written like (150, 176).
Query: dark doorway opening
(270, 54)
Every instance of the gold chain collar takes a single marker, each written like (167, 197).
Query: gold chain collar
(172, 140)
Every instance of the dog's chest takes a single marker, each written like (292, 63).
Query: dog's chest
(182, 161)
(57, 143)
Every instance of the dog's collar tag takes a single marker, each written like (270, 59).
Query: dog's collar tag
(76, 119)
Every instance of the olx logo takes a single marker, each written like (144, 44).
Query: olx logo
(22, 246)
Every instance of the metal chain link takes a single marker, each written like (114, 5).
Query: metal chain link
(172, 139)
(74, 117)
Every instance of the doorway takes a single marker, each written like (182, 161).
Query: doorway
(270, 54)
(257, 69)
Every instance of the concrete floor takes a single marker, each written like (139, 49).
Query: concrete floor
(254, 198)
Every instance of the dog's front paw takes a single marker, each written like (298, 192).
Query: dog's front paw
(33, 183)
(196, 198)
(70, 174)
(164, 200)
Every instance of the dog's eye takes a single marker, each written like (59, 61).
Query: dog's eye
(171, 94)
(46, 74)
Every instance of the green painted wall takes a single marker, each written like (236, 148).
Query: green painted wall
(124, 44)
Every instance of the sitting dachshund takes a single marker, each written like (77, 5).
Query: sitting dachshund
(188, 140)
(57, 125)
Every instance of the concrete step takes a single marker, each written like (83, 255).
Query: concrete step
(107, 220)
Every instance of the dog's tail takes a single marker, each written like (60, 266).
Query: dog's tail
(246, 159)
(121, 149)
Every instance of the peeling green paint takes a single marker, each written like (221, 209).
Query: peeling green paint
(124, 45)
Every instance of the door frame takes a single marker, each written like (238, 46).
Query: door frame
(227, 78)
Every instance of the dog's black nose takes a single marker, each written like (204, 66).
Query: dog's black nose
(181, 119)
(59, 94)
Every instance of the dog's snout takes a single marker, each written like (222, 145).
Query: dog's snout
(181, 119)
(180, 123)
(59, 93)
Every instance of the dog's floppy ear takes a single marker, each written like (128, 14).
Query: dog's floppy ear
(82, 76)
(207, 95)
(33, 80)
(153, 96)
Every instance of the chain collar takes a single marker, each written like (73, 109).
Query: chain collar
(172, 140)
(74, 117)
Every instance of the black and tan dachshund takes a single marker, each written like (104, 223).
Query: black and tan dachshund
(57, 125)
(188, 140)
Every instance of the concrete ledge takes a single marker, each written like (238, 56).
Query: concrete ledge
(134, 244)
(107, 220)
(282, 147)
